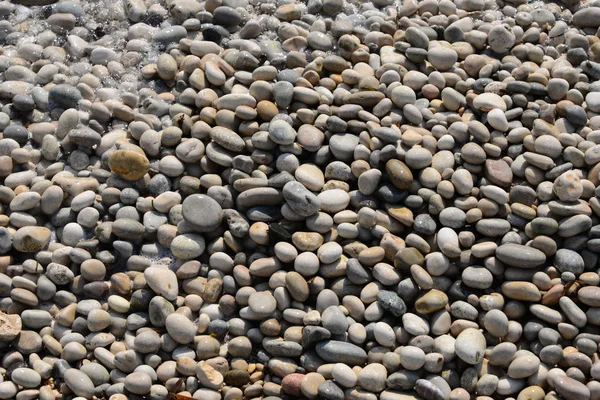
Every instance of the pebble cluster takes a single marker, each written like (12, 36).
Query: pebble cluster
(327, 199)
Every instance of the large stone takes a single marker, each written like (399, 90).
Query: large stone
(162, 281)
(31, 239)
(10, 326)
(587, 17)
(470, 346)
(518, 255)
(202, 212)
(399, 173)
(343, 352)
(129, 164)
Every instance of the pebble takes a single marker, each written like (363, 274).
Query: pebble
(162, 281)
(470, 346)
(202, 213)
(180, 328)
(341, 352)
(79, 383)
(26, 377)
(129, 164)
(520, 256)
(10, 327)
(262, 304)
(300, 199)
(373, 377)
(138, 383)
(344, 375)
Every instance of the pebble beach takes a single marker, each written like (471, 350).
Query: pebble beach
(320, 199)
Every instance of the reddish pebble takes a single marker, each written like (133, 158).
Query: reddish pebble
(291, 384)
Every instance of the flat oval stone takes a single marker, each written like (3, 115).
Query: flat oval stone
(65, 96)
(431, 301)
(520, 290)
(489, 101)
(521, 256)
(341, 352)
(589, 295)
(26, 377)
(79, 383)
(570, 389)
(400, 175)
(262, 303)
(227, 138)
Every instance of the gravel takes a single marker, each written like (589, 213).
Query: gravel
(241, 199)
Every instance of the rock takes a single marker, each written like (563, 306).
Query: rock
(328, 390)
(498, 172)
(138, 383)
(442, 58)
(202, 212)
(180, 328)
(391, 302)
(524, 291)
(488, 102)
(10, 326)
(569, 261)
(570, 389)
(297, 286)
(520, 256)
(188, 246)
(262, 304)
(208, 376)
(568, 187)
(347, 353)
(334, 320)
(163, 282)
(470, 346)
(79, 383)
(501, 39)
(400, 175)
(300, 199)
(65, 96)
(128, 164)
(237, 378)
(26, 377)
(592, 99)
(373, 377)
(31, 239)
(587, 17)
(431, 301)
(281, 132)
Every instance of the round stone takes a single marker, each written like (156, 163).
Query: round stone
(180, 328)
(138, 383)
(202, 212)
(262, 303)
(128, 164)
(188, 246)
(281, 132)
